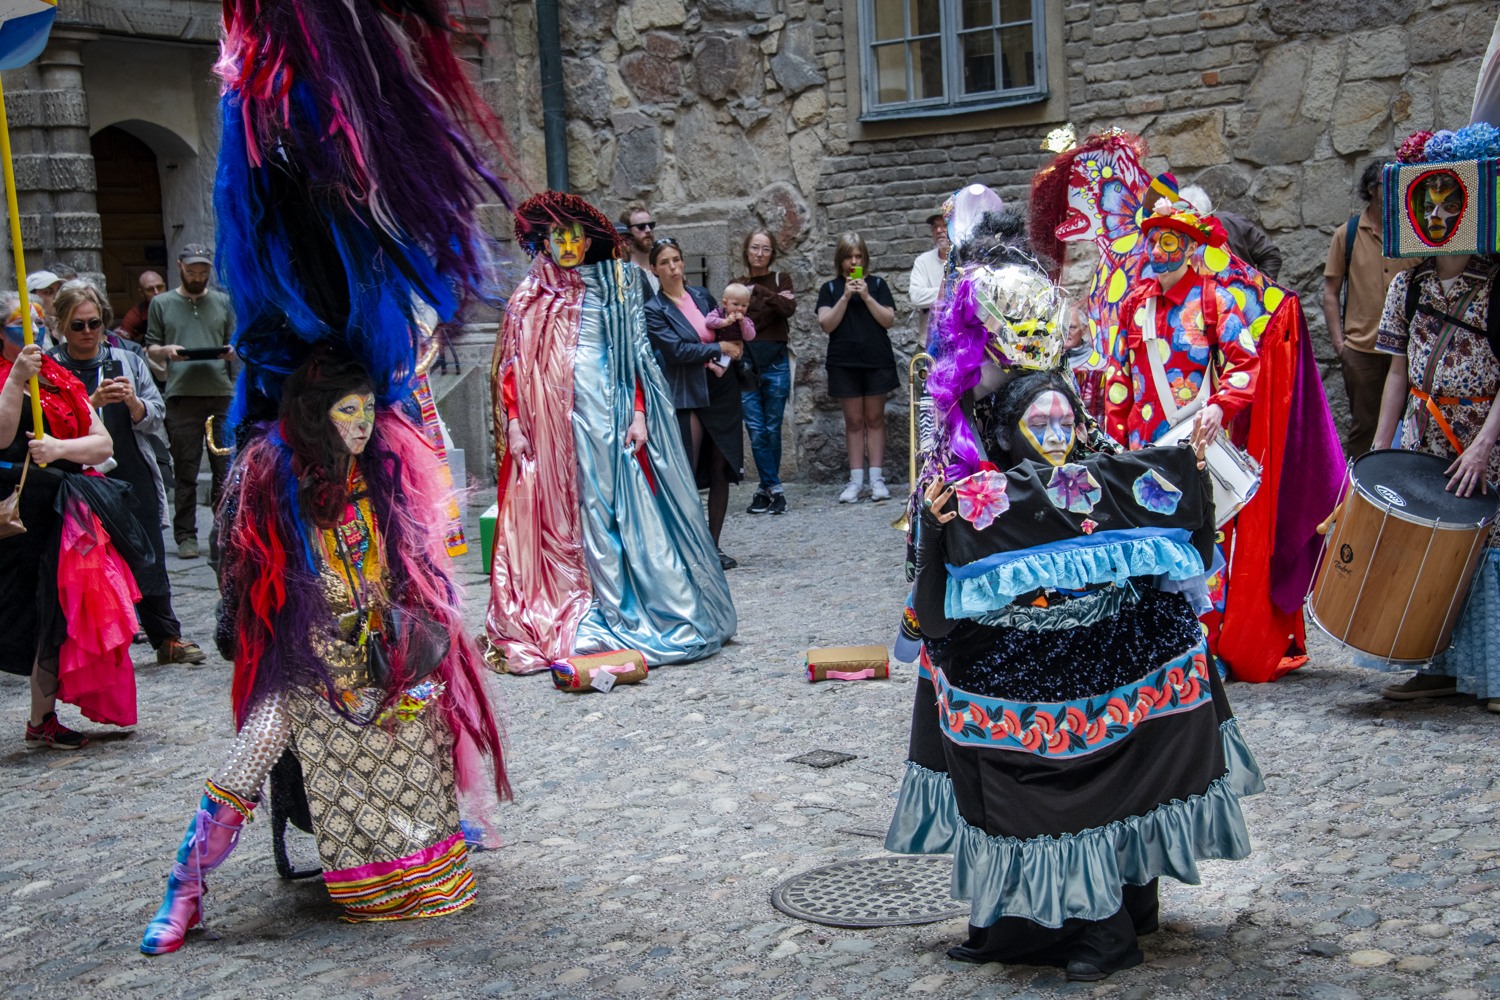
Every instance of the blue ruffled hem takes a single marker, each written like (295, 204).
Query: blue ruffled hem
(1048, 880)
(1072, 569)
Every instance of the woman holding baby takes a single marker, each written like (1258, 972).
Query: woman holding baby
(700, 344)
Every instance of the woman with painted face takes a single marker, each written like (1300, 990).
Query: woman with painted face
(350, 653)
(1070, 743)
(53, 570)
(600, 543)
(120, 387)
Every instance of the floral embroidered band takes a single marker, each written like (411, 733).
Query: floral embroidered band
(1060, 730)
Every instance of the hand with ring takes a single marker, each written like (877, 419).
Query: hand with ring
(935, 498)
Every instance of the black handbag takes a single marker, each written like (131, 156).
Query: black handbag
(427, 641)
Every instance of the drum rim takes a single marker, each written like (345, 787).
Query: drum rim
(1312, 613)
(1394, 511)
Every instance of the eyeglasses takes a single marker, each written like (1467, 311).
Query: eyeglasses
(80, 325)
(666, 241)
(644, 226)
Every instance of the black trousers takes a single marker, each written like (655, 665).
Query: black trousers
(158, 620)
(186, 416)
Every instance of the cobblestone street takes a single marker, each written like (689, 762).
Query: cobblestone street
(651, 824)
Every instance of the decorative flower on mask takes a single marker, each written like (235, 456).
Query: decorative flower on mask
(982, 498)
(1073, 488)
(1155, 493)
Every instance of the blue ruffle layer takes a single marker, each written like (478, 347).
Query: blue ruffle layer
(1071, 568)
(1051, 879)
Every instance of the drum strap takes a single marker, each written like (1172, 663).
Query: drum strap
(1174, 413)
(1433, 402)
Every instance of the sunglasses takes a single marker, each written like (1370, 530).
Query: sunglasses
(643, 226)
(80, 325)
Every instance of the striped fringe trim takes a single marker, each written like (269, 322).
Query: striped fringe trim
(225, 797)
(430, 889)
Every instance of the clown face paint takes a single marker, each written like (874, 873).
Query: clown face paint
(567, 244)
(1047, 427)
(354, 418)
(1166, 251)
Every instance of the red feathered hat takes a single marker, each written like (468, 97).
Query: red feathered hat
(1198, 228)
(538, 214)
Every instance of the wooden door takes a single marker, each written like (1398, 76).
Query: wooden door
(129, 199)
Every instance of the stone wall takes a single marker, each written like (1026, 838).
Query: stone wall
(742, 112)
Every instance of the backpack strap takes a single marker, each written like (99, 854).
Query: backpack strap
(1350, 229)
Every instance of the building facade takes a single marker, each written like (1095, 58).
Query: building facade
(809, 117)
(814, 117)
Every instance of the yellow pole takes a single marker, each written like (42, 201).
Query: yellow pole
(18, 255)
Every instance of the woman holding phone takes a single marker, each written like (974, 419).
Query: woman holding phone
(856, 310)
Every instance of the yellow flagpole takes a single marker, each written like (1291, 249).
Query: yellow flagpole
(18, 255)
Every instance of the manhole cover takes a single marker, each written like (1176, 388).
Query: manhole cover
(872, 892)
(821, 758)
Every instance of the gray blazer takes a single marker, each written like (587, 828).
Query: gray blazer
(683, 355)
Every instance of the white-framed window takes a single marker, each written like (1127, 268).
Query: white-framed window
(930, 57)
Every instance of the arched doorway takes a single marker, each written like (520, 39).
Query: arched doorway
(130, 214)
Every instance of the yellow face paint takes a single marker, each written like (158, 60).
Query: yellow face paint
(567, 244)
(354, 419)
(1047, 426)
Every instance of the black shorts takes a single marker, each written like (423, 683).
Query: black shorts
(848, 383)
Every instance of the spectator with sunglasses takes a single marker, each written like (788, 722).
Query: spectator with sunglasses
(120, 388)
(641, 229)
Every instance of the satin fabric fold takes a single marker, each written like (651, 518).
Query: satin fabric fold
(592, 553)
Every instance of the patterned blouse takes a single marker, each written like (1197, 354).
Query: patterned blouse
(1454, 365)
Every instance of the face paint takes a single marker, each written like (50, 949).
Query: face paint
(567, 244)
(354, 418)
(1167, 251)
(1047, 427)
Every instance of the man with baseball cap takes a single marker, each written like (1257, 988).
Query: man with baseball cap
(927, 270)
(188, 329)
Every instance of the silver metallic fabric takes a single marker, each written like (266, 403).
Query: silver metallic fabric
(266, 733)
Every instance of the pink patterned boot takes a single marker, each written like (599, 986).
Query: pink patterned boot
(211, 835)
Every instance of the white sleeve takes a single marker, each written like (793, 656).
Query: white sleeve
(926, 280)
(1487, 89)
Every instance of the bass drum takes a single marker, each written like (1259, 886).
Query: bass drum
(1399, 557)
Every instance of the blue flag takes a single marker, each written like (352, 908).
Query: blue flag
(24, 27)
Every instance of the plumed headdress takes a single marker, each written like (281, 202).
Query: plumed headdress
(539, 213)
(354, 163)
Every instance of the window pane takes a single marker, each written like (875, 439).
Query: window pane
(890, 73)
(889, 20)
(978, 13)
(979, 62)
(1014, 10)
(927, 68)
(1018, 68)
(926, 17)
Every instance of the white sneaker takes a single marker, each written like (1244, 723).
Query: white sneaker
(850, 494)
(878, 490)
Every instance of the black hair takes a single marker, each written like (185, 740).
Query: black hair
(1011, 401)
(320, 461)
(1369, 179)
(662, 244)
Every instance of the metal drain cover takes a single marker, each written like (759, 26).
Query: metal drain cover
(872, 892)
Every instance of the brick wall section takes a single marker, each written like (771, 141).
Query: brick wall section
(737, 111)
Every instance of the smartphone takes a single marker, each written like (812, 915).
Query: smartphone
(857, 273)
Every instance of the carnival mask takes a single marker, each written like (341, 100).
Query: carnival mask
(1046, 428)
(353, 419)
(1166, 251)
(1442, 206)
(1023, 312)
(567, 244)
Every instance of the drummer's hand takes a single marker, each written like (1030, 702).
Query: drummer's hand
(1206, 427)
(935, 498)
(1468, 470)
